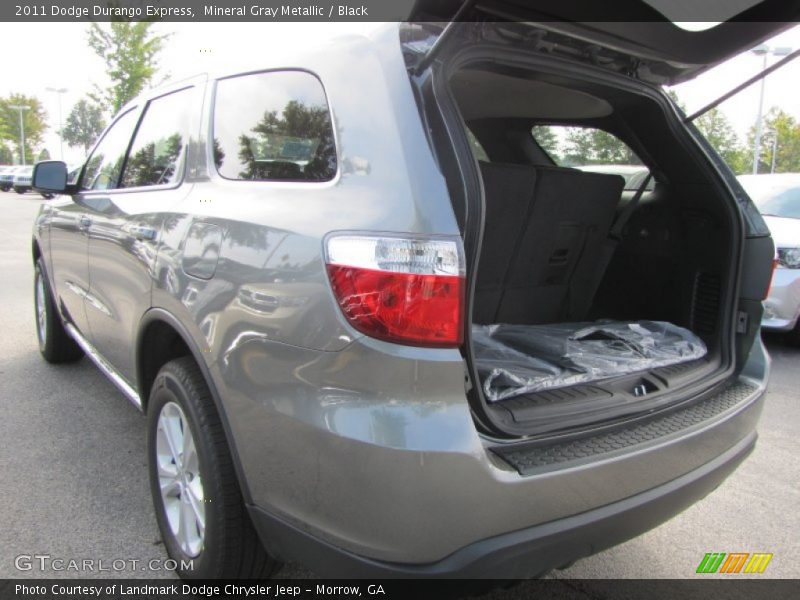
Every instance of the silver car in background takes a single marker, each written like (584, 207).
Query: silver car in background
(777, 196)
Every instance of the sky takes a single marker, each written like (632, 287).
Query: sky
(57, 56)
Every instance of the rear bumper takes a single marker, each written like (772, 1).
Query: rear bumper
(528, 552)
(374, 454)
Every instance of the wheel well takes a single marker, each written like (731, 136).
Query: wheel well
(159, 344)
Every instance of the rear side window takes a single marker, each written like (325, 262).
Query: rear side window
(591, 149)
(104, 165)
(273, 126)
(157, 154)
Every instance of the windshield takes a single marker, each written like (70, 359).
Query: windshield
(778, 198)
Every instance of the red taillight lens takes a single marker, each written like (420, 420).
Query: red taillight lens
(775, 263)
(407, 291)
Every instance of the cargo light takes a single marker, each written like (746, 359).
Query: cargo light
(407, 290)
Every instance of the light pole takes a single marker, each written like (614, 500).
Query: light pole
(765, 51)
(774, 150)
(21, 108)
(60, 92)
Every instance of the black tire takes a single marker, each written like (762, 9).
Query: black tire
(55, 343)
(230, 546)
(20, 190)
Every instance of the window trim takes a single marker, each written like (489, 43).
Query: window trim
(209, 150)
(142, 188)
(184, 151)
(79, 182)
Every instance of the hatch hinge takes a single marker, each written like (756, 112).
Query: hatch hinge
(632, 69)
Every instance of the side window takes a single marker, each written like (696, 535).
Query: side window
(477, 148)
(273, 126)
(103, 167)
(157, 154)
(591, 149)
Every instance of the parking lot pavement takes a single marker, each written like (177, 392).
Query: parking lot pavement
(74, 478)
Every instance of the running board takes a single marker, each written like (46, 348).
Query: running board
(123, 386)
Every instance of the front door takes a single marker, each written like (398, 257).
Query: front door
(125, 225)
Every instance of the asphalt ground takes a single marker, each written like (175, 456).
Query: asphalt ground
(73, 477)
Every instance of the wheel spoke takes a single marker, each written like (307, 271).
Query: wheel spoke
(170, 486)
(172, 435)
(197, 507)
(189, 458)
(184, 516)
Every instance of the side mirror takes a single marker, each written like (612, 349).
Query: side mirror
(50, 176)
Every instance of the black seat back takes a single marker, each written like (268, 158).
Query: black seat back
(541, 262)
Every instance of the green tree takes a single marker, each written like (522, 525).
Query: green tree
(588, 146)
(282, 143)
(84, 124)
(44, 154)
(6, 155)
(780, 131)
(34, 122)
(716, 128)
(547, 139)
(130, 52)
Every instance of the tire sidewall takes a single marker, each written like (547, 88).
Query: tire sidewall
(168, 388)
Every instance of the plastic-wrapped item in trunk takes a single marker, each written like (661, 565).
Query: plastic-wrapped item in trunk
(520, 359)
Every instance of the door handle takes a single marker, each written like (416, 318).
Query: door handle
(140, 232)
(85, 222)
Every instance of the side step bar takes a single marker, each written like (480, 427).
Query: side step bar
(123, 386)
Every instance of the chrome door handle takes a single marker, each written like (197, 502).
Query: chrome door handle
(141, 232)
(84, 222)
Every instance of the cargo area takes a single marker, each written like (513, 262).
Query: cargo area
(600, 290)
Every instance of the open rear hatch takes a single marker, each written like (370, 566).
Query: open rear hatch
(574, 324)
(641, 38)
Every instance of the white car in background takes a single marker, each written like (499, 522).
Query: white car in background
(777, 196)
(22, 179)
(7, 177)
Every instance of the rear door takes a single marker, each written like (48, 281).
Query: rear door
(125, 221)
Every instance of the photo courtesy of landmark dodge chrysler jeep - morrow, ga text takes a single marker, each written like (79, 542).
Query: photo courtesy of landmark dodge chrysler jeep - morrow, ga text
(377, 329)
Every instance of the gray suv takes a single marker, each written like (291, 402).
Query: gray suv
(381, 326)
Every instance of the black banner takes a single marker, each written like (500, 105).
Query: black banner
(731, 588)
(387, 10)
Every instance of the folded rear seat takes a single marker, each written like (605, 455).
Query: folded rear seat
(545, 233)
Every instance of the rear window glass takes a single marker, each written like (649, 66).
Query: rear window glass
(591, 149)
(273, 126)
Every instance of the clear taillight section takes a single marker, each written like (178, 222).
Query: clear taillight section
(406, 290)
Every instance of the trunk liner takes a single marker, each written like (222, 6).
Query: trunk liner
(516, 360)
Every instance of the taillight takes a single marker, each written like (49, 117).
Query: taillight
(400, 289)
(775, 263)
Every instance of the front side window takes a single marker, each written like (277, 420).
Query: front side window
(273, 126)
(104, 165)
(157, 154)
